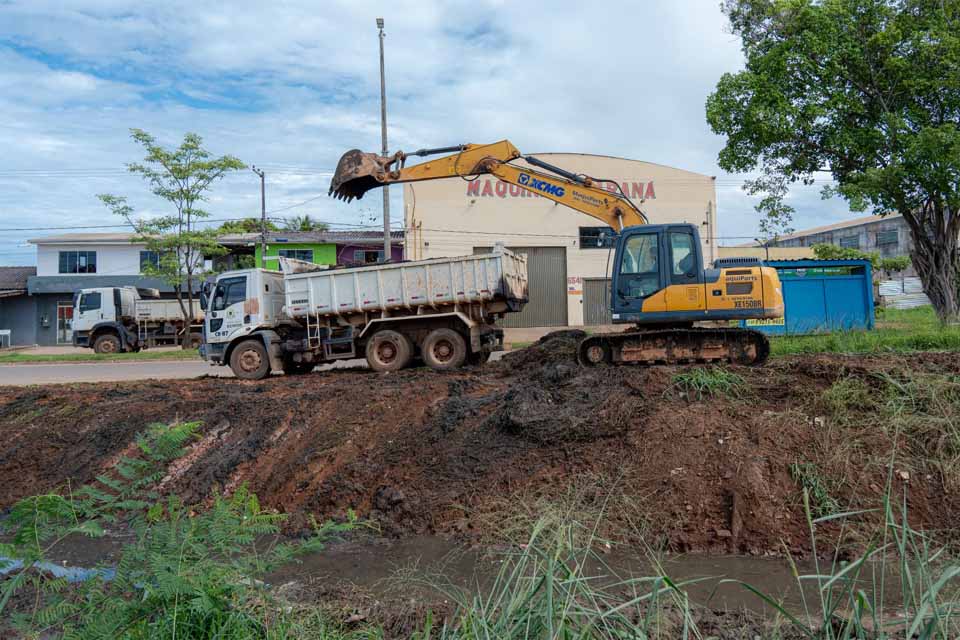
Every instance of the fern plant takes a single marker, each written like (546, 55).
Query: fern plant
(186, 574)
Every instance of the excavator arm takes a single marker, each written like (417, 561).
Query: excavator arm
(359, 172)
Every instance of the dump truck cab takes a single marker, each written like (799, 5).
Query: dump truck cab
(100, 317)
(240, 304)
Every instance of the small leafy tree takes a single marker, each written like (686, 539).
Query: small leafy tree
(182, 177)
(304, 223)
(865, 90)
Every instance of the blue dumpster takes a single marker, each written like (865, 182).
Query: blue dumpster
(820, 296)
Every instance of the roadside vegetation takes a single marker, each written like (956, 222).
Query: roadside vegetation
(89, 356)
(698, 382)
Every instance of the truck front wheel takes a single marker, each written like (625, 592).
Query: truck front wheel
(444, 349)
(107, 343)
(388, 351)
(249, 360)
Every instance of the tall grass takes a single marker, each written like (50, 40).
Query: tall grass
(698, 382)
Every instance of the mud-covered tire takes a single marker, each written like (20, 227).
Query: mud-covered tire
(107, 343)
(249, 360)
(388, 351)
(444, 349)
(594, 352)
(478, 357)
(292, 368)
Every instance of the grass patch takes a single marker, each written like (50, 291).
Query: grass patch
(897, 331)
(172, 354)
(709, 381)
(808, 476)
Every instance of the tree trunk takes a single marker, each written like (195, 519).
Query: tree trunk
(935, 257)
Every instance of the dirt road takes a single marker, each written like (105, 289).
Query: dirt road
(61, 372)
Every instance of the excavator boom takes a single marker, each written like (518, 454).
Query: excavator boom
(358, 172)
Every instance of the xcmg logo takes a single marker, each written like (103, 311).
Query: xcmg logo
(543, 186)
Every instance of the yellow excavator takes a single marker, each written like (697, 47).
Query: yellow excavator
(659, 284)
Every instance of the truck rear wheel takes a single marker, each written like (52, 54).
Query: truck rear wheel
(388, 351)
(249, 360)
(107, 343)
(444, 349)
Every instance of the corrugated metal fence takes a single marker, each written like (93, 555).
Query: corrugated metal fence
(905, 293)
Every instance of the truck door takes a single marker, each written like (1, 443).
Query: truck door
(226, 309)
(89, 310)
(638, 278)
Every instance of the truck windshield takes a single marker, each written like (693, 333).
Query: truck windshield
(229, 291)
(89, 302)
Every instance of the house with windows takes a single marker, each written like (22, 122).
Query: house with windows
(332, 248)
(70, 262)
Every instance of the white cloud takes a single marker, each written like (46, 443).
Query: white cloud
(290, 86)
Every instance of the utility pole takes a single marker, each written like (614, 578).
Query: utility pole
(387, 244)
(263, 216)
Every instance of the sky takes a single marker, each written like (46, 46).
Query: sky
(289, 86)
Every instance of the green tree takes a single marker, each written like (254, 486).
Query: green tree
(304, 223)
(245, 225)
(834, 252)
(182, 177)
(865, 90)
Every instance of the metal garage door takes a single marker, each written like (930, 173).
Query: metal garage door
(547, 274)
(596, 301)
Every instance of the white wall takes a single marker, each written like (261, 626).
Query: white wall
(455, 217)
(112, 259)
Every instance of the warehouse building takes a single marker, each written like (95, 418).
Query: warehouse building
(887, 235)
(567, 251)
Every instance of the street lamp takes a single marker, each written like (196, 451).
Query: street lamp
(387, 253)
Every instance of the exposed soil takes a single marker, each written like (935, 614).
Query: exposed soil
(426, 452)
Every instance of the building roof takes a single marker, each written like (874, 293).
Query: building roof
(13, 280)
(234, 239)
(86, 238)
(836, 226)
(333, 237)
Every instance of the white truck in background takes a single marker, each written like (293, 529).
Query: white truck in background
(122, 319)
(443, 311)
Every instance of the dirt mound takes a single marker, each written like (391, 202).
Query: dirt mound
(426, 452)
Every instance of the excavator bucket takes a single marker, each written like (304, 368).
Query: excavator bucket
(356, 174)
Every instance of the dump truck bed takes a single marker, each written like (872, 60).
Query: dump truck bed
(497, 281)
(163, 310)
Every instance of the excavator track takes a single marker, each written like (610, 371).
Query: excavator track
(675, 346)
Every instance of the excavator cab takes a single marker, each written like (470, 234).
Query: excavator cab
(659, 278)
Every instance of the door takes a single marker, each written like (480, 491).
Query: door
(64, 322)
(547, 287)
(226, 310)
(638, 281)
(89, 310)
(685, 290)
(596, 301)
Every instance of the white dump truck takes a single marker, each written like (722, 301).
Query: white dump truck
(120, 319)
(442, 311)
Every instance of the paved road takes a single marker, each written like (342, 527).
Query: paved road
(63, 372)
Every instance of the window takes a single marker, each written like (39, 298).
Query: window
(887, 238)
(682, 256)
(640, 254)
(78, 262)
(149, 259)
(850, 242)
(297, 254)
(597, 237)
(229, 291)
(367, 256)
(90, 302)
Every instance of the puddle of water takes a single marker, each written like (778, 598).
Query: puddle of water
(419, 564)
